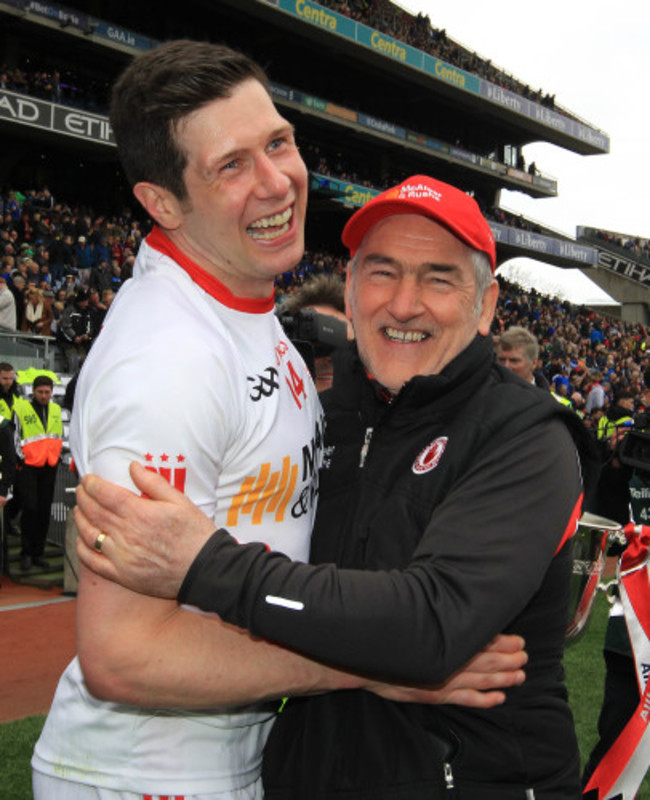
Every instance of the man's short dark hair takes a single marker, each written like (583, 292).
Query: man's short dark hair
(42, 380)
(160, 88)
(5, 367)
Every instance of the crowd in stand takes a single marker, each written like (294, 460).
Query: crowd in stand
(61, 265)
(589, 360)
(635, 245)
(417, 31)
(57, 86)
(65, 86)
(332, 163)
(49, 85)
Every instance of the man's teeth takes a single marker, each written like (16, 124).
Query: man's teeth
(405, 336)
(278, 222)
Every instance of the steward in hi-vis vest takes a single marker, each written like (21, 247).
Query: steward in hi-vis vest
(9, 390)
(619, 414)
(39, 431)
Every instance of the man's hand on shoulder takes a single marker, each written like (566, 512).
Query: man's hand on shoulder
(148, 542)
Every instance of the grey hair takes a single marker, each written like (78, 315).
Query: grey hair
(517, 337)
(484, 277)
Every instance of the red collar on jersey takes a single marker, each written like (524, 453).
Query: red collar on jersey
(159, 241)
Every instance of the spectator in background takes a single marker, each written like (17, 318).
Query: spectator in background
(595, 336)
(578, 403)
(70, 285)
(17, 287)
(75, 329)
(100, 277)
(97, 310)
(108, 295)
(58, 306)
(84, 260)
(126, 271)
(38, 314)
(61, 252)
(518, 350)
(7, 306)
(596, 395)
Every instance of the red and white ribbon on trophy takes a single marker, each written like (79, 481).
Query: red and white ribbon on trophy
(623, 767)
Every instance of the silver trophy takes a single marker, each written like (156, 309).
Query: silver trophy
(589, 546)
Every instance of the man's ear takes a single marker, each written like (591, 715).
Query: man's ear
(488, 308)
(160, 204)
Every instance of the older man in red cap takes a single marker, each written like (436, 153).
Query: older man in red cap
(449, 494)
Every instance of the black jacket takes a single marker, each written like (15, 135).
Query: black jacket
(7, 457)
(450, 533)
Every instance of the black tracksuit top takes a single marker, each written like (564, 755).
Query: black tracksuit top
(447, 509)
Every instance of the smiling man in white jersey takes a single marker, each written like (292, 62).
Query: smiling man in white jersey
(216, 167)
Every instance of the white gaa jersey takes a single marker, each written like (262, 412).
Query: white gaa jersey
(206, 389)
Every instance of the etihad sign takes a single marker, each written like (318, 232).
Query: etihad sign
(56, 118)
(624, 267)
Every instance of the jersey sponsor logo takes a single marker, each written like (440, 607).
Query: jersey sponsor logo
(430, 457)
(265, 493)
(172, 468)
(271, 492)
(264, 385)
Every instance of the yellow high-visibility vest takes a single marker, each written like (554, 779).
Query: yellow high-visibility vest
(40, 446)
(606, 426)
(6, 410)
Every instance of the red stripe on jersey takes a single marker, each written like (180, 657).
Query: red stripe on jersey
(572, 525)
(160, 242)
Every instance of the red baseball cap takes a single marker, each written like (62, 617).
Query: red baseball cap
(441, 202)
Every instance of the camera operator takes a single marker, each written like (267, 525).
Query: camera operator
(313, 317)
(623, 489)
